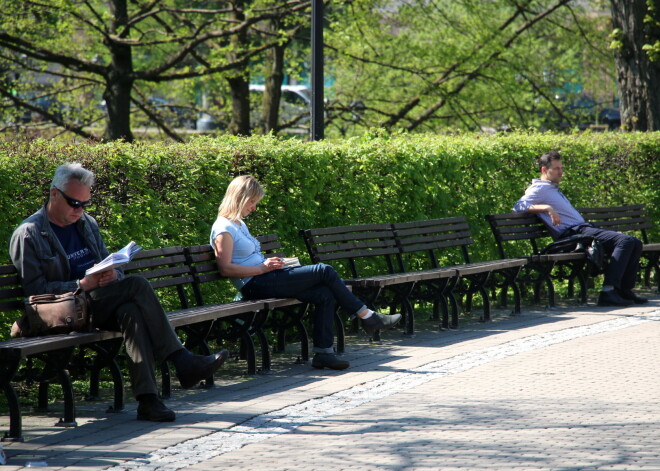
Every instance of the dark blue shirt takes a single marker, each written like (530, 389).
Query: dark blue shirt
(79, 256)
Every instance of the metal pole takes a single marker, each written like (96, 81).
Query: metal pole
(316, 128)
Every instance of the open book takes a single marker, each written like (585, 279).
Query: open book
(115, 259)
(291, 262)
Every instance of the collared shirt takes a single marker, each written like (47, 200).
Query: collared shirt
(547, 192)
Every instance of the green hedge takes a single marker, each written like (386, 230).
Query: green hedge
(167, 194)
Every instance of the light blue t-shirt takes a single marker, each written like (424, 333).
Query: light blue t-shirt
(247, 249)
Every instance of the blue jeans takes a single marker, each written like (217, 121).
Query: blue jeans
(624, 251)
(319, 285)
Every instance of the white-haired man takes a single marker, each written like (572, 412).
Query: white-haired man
(53, 248)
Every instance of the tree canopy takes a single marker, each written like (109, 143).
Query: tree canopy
(466, 64)
(114, 57)
(414, 65)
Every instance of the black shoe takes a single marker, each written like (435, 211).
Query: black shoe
(152, 409)
(200, 367)
(328, 360)
(612, 298)
(630, 296)
(379, 321)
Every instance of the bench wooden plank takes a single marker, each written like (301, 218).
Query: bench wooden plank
(523, 235)
(365, 257)
(27, 346)
(631, 219)
(445, 242)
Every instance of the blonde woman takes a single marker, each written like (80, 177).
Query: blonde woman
(239, 257)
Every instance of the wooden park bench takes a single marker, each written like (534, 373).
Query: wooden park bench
(441, 244)
(280, 314)
(364, 255)
(632, 219)
(524, 235)
(382, 263)
(173, 277)
(176, 275)
(52, 358)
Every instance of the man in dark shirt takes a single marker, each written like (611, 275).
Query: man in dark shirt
(544, 198)
(52, 250)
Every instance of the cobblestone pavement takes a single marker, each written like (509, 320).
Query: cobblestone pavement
(568, 389)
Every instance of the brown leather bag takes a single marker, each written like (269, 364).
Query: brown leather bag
(47, 314)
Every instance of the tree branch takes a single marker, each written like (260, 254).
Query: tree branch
(46, 114)
(426, 114)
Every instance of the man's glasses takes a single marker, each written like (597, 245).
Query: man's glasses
(74, 203)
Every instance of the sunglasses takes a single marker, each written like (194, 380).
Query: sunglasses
(74, 203)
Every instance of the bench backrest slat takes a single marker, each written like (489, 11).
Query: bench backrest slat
(512, 227)
(163, 267)
(11, 292)
(631, 218)
(435, 239)
(362, 249)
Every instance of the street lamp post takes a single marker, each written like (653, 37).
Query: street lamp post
(316, 128)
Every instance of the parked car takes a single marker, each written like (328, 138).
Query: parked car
(175, 115)
(611, 117)
(296, 102)
(44, 102)
(583, 111)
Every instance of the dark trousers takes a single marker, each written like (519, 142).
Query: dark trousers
(132, 307)
(316, 284)
(624, 251)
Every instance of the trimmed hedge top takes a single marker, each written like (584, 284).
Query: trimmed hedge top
(168, 194)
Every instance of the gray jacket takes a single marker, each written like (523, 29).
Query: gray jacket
(40, 259)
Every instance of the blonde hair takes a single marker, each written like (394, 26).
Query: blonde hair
(239, 192)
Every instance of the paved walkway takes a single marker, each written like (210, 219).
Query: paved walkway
(568, 389)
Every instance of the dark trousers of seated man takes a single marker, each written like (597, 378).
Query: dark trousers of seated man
(624, 251)
(132, 307)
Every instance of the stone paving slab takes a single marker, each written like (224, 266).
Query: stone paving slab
(566, 389)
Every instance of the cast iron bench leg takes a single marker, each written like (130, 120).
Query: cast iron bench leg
(265, 351)
(69, 419)
(248, 347)
(339, 328)
(7, 372)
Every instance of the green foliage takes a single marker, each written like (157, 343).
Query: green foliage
(447, 64)
(60, 60)
(168, 194)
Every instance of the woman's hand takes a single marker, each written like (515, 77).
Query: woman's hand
(273, 263)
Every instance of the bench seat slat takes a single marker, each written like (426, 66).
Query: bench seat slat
(200, 314)
(24, 347)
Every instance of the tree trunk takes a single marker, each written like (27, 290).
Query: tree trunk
(274, 79)
(119, 81)
(239, 83)
(637, 74)
(240, 106)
